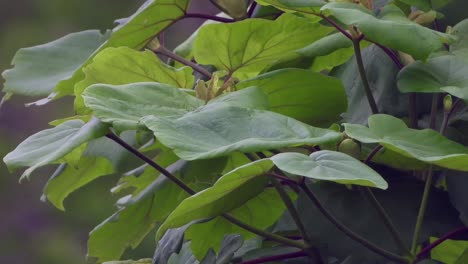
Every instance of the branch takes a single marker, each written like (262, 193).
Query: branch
(371, 246)
(162, 50)
(209, 17)
(190, 191)
(362, 73)
(276, 258)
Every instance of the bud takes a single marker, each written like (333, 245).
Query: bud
(448, 102)
(350, 147)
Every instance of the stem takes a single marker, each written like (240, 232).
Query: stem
(433, 116)
(153, 164)
(251, 9)
(422, 211)
(210, 17)
(371, 246)
(262, 233)
(282, 178)
(190, 191)
(439, 241)
(387, 221)
(365, 81)
(412, 112)
(335, 25)
(276, 258)
(291, 208)
(162, 50)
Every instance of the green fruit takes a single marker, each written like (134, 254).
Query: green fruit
(350, 147)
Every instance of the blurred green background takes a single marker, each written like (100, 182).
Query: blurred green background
(32, 231)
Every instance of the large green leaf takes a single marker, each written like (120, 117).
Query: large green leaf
(124, 66)
(137, 30)
(125, 105)
(229, 192)
(303, 95)
(392, 30)
(52, 144)
(329, 166)
(261, 212)
(303, 6)
(426, 145)
(253, 44)
(426, 5)
(446, 73)
(38, 70)
(219, 130)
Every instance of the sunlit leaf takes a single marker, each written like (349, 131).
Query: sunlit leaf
(303, 6)
(449, 251)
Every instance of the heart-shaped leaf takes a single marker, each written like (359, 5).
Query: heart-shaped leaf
(124, 105)
(426, 145)
(253, 44)
(124, 66)
(329, 166)
(219, 130)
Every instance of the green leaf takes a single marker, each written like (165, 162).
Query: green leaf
(426, 145)
(137, 30)
(303, 6)
(330, 51)
(141, 261)
(426, 5)
(75, 176)
(463, 257)
(49, 145)
(38, 70)
(252, 97)
(124, 105)
(229, 192)
(235, 8)
(122, 65)
(220, 130)
(449, 251)
(441, 74)
(309, 97)
(329, 166)
(392, 30)
(261, 212)
(253, 44)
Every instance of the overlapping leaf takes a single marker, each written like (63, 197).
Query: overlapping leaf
(38, 70)
(426, 145)
(125, 105)
(124, 66)
(253, 44)
(52, 144)
(303, 6)
(303, 95)
(392, 30)
(329, 166)
(219, 130)
(229, 192)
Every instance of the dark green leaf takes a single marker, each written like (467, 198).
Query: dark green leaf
(220, 130)
(329, 166)
(303, 95)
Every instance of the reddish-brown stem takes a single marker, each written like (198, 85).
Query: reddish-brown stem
(425, 251)
(335, 25)
(209, 17)
(276, 258)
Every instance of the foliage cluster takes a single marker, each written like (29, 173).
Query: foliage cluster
(304, 131)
